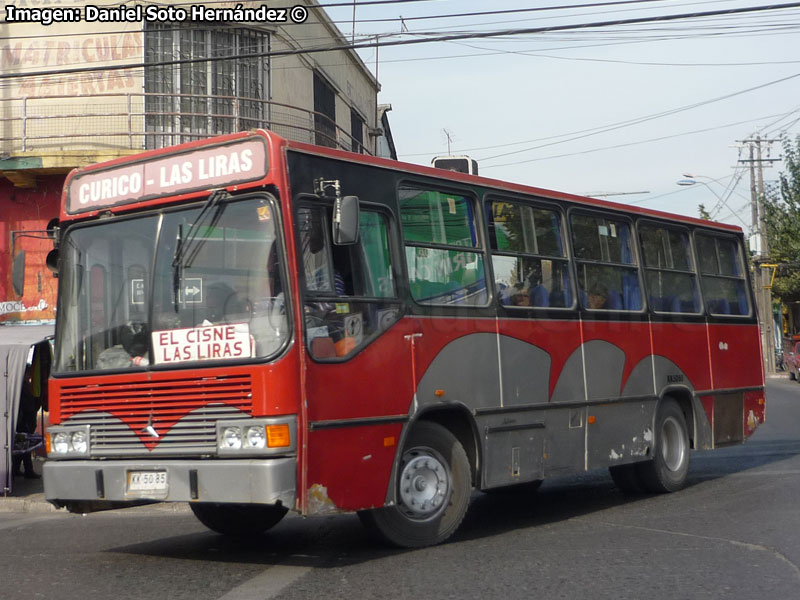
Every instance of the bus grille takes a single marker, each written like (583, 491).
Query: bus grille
(184, 412)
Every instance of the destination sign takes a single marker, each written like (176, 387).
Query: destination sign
(215, 342)
(216, 166)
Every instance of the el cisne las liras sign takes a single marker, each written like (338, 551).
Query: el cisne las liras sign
(227, 164)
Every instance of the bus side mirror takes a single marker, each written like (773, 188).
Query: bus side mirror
(52, 262)
(18, 273)
(345, 220)
(54, 232)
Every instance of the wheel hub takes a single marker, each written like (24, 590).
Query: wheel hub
(673, 445)
(424, 485)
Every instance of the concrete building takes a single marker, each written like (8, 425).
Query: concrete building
(65, 101)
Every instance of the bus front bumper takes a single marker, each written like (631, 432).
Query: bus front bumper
(90, 485)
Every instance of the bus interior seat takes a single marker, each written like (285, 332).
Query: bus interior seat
(540, 296)
(741, 300)
(631, 296)
(614, 300)
(669, 303)
(720, 306)
(689, 306)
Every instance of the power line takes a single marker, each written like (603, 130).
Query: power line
(616, 146)
(506, 11)
(366, 35)
(639, 120)
(446, 38)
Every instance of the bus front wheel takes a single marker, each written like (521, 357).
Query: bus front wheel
(433, 489)
(238, 520)
(669, 467)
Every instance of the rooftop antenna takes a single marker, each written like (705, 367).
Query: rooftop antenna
(449, 137)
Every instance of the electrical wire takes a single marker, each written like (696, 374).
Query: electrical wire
(445, 38)
(622, 145)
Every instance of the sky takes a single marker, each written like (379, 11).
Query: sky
(622, 112)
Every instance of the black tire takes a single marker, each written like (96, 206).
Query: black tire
(434, 500)
(792, 376)
(529, 487)
(238, 520)
(627, 479)
(669, 467)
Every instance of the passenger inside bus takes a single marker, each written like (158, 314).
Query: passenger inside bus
(597, 296)
(520, 295)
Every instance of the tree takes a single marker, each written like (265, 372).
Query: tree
(782, 218)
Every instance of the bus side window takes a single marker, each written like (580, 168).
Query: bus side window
(529, 259)
(608, 277)
(350, 290)
(443, 250)
(722, 275)
(670, 278)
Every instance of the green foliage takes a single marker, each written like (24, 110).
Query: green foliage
(704, 214)
(782, 217)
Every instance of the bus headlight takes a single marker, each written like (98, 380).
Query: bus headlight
(79, 442)
(257, 437)
(231, 438)
(61, 443)
(68, 442)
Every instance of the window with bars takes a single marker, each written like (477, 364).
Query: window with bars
(356, 131)
(193, 100)
(324, 113)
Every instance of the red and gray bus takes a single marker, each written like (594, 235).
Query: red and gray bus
(254, 325)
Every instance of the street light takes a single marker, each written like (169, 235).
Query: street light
(762, 293)
(693, 180)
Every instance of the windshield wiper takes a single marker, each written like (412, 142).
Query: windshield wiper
(181, 245)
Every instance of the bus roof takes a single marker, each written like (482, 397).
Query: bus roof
(501, 185)
(274, 143)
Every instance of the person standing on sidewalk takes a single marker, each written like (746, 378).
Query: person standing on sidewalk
(29, 406)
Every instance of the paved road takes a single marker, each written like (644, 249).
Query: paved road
(733, 533)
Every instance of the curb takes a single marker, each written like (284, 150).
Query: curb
(30, 504)
(37, 504)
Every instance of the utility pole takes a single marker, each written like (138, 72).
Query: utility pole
(758, 232)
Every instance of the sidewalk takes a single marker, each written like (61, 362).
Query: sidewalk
(27, 495)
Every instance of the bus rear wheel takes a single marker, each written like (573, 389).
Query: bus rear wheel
(669, 467)
(238, 520)
(433, 489)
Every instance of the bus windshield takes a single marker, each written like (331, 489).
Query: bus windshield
(128, 303)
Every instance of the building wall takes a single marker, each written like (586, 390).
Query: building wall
(45, 114)
(35, 48)
(28, 210)
(292, 78)
(54, 122)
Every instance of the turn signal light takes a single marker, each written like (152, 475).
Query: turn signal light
(278, 436)
(47, 442)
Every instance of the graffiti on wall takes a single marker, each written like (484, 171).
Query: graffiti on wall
(17, 306)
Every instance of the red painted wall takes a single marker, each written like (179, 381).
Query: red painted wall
(23, 209)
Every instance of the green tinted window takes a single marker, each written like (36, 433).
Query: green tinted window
(434, 217)
(520, 228)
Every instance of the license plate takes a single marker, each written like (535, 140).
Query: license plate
(150, 484)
